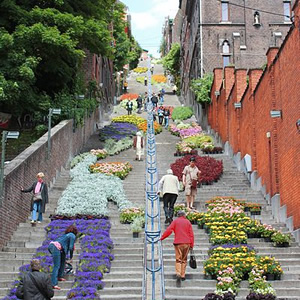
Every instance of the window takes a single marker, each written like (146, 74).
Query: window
(226, 56)
(287, 11)
(225, 47)
(225, 61)
(225, 12)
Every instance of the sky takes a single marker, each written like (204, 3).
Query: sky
(147, 19)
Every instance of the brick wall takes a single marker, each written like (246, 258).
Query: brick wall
(21, 171)
(273, 143)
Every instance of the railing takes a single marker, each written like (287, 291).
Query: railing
(153, 253)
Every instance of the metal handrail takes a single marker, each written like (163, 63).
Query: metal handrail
(153, 252)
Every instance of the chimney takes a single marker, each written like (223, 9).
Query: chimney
(254, 77)
(271, 54)
(240, 83)
(229, 80)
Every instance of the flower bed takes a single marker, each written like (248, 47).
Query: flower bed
(117, 131)
(211, 169)
(140, 122)
(123, 104)
(196, 141)
(115, 147)
(212, 150)
(159, 78)
(231, 259)
(185, 130)
(95, 240)
(100, 153)
(88, 194)
(128, 96)
(128, 215)
(118, 169)
(140, 70)
(182, 113)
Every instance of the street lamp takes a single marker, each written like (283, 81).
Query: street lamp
(5, 135)
(52, 111)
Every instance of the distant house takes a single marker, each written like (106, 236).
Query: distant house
(144, 55)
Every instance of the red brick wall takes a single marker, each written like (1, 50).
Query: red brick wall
(275, 158)
(21, 172)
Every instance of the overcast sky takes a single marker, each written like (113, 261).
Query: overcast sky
(147, 19)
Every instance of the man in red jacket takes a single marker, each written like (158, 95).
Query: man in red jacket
(183, 242)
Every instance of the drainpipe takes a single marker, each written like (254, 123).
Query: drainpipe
(201, 39)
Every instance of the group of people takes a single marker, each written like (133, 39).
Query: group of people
(37, 285)
(168, 188)
(163, 116)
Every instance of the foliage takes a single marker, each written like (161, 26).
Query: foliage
(41, 48)
(114, 147)
(88, 194)
(100, 153)
(127, 50)
(201, 87)
(182, 113)
(279, 238)
(128, 215)
(171, 62)
(137, 224)
(117, 131)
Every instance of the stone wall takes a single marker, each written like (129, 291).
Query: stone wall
(21, 171)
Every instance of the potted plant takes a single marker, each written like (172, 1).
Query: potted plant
(137, 226)
(281, 240)
(255, 210)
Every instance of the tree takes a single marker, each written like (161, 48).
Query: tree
(201, 87)
(171, 62)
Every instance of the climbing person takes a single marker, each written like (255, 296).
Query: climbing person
(160, 113)
(39, 198)
(139, 102)
(169, 187)
(125, 86)
(154, 100)
(166, 117)
(174, 89)
(138, 145)
(129, 107)
(190, 179)
(35, 284)
(59, 250)
(183, 243)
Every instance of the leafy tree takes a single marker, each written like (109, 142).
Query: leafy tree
(201, 87)
(171, 62)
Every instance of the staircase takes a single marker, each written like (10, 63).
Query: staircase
(233, 183)
(22, 246)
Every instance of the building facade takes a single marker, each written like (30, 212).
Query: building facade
(220, 33)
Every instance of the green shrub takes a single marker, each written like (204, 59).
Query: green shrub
(182, 113)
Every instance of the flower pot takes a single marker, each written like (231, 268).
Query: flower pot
(245, 276)
(282, 245)
(135, 235)
(277, 276)
(255, 213)
(251, 235)
(270, 277)
(267, 239)
(207, 276)
(246, 209)
(200, 226)
(207, 230)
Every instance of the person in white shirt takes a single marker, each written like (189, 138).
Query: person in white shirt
(169, 187)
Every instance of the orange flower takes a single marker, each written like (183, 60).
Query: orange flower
(159, 78)
(129, 96)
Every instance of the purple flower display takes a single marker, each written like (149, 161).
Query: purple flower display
(117, 131)
(94, 260)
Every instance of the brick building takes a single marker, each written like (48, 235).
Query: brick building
(255, 114)
(219, 33)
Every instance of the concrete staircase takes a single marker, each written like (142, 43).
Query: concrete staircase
(233, 183)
